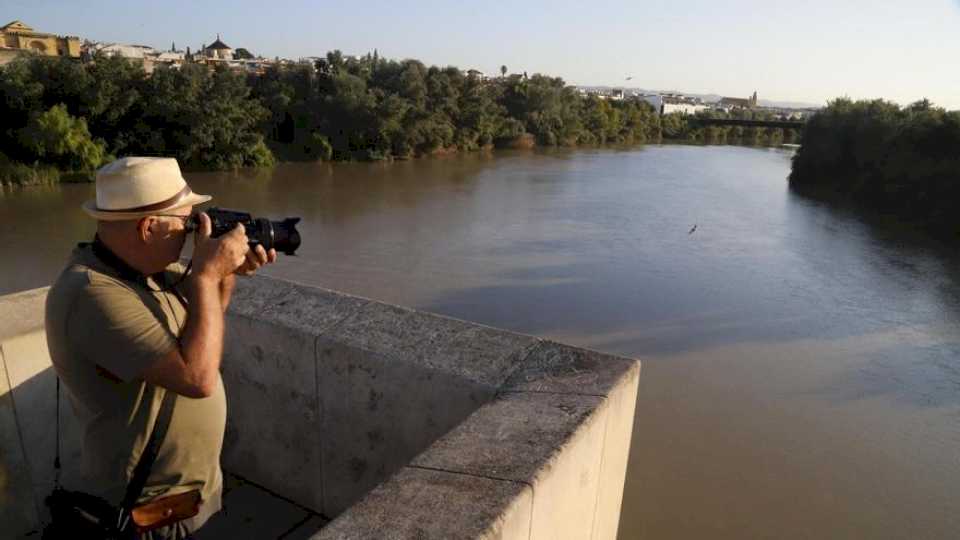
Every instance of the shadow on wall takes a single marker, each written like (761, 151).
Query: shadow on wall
(28, 433)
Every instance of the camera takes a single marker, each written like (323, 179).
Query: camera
(280, 235)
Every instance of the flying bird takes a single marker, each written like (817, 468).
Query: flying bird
(628, 78)
(693, 228)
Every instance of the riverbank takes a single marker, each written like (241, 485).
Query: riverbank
(14, 175)
(77, 116)
(876, 155)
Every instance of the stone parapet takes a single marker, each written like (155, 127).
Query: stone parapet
(398, 423)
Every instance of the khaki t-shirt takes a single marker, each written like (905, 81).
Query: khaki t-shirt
(103, 331)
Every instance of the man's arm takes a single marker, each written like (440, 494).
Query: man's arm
(226, 291)
(192, 368)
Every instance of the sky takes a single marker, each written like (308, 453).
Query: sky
(807, 51)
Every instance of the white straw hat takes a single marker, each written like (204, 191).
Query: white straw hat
(136, 187)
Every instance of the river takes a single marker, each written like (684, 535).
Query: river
(801, 374)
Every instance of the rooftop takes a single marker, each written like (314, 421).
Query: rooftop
(218, 45)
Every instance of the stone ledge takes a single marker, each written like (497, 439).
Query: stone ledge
(476, 353)
(512, 437)
(22, 312)
(481, 354)
(559, 368)
(311, 310)
(428, 504)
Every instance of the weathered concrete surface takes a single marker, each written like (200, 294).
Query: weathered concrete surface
(561, 425)
(305, 530)
(28, 416)
(282, 303)
(553, 442)
(392, 380)
(250, 512)
(18, 512)
(270, 374)
(511, 438)
(34, 391)
(621, 407)
(379, 412)
(426, 504)
(555, 367)
(273, 432)
(470, 431)
(486, 356)
(21, 313)
(366, 387)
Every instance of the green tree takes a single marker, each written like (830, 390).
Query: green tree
(54, 136)
(902, 161)
(340, 108)
(206, 119)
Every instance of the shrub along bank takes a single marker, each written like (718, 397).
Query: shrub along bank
(902, 161)
(77, 116)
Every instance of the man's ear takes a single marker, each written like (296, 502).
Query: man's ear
(145, 229)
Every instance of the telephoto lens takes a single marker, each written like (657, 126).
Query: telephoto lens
(280, 235)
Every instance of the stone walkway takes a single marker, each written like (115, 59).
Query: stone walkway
(250, 511)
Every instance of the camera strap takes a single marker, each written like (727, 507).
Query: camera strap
(152, 448)
(149, 455)
(142, 470)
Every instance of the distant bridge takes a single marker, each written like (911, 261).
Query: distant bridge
(785, 124)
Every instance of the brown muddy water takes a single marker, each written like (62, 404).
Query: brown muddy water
(801, 372)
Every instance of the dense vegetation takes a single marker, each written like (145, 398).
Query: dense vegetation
(74, 116)
(60, 115)
(904, 161)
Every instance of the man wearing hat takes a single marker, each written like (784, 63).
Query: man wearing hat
(125, 325)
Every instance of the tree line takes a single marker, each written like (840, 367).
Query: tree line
(903, 161)
(60, 115)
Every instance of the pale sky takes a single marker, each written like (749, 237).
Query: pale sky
(809, 51)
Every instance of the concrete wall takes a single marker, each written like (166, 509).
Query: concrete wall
(27, 416)
(365, 387)
(546, 459)
(403, 423)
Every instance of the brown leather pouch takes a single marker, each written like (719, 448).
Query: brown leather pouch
(166, 510)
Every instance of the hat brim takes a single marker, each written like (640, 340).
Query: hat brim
(90, 207)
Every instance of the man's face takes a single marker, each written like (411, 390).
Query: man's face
(169, 234)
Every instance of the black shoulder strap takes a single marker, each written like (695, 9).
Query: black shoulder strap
(144, 464)
(149, 455)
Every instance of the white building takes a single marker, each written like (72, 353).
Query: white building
(123, 50)
(218, 50)
(170, 57)
(149, 56)
(673, 103)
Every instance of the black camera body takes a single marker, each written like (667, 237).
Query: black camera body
(280, 235)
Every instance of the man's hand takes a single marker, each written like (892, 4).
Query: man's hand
(217, 258)
(256, 257)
